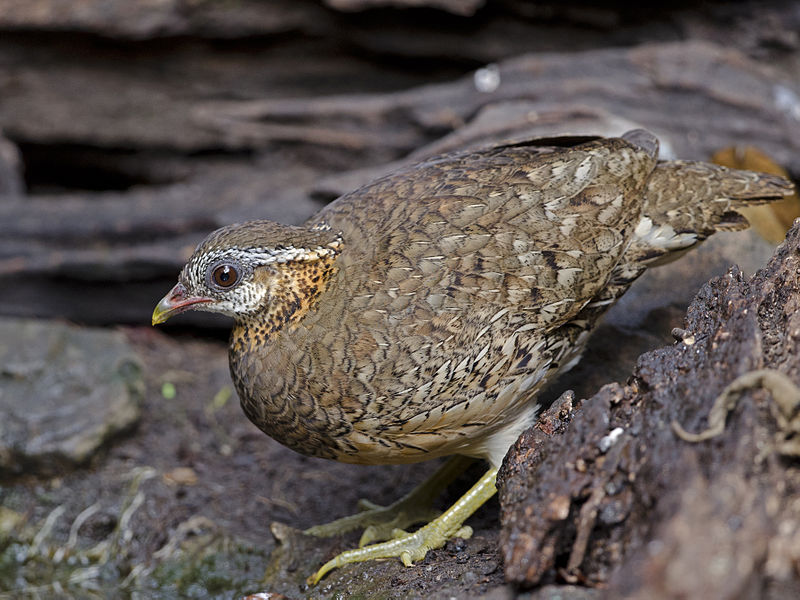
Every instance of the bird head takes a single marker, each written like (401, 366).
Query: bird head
(245, 269)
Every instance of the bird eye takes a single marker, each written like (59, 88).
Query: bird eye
(225, 276)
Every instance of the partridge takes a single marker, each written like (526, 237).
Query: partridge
(421, 315)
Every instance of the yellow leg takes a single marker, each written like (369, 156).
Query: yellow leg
(379, 522)
(409, 547)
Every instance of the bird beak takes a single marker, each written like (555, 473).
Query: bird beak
(176, 301)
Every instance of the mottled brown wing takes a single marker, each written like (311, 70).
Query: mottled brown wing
(470, 260)
(511, 226)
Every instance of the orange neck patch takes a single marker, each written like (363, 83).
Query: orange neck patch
(294, 290)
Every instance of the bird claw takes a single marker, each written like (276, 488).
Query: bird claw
(394, 522)
(415, 507)
(368, 536)
(381, 533)
(412, 547)
(379, 522)
(464, 533)
(365, 505)
(408, 547)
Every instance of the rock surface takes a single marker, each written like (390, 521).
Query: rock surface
(134, 240)
(11, 182)
(64, 392)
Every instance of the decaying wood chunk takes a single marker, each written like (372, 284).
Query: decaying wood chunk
(622, 497)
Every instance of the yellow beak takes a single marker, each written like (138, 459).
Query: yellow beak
(176, 301)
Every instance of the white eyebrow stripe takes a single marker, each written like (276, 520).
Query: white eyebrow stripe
(289, 253)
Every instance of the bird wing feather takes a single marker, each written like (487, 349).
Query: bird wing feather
(473, 258)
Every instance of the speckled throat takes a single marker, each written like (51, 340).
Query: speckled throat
(295, 288)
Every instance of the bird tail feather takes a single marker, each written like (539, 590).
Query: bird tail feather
(685, 202)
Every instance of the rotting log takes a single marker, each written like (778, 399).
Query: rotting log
(82, 249)
(611, 491)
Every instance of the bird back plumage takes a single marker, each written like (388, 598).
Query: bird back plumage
(461, 286)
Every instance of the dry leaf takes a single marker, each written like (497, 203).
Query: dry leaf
(773, 220)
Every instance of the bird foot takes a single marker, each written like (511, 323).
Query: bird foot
(408, 547)
(379, 522)
(411, 547)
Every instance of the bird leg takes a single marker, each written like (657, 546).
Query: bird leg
(410, 547)
(380, 522)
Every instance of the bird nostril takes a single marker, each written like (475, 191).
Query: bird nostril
(178, 293)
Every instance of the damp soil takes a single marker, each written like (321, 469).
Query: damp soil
(185, 503)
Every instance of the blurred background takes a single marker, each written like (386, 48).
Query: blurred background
(129, 129)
